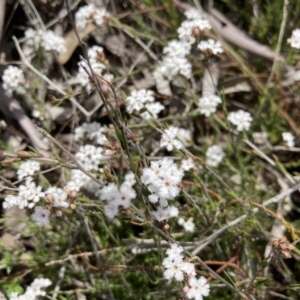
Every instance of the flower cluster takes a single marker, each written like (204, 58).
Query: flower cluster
(143, 100)
(189, 225)
(90, 156)
(162, 179)
(33, 291)
(117, 197)
(13, 80)
(210, 47)
(28, 195)
(208, 105)
(97, 62)
(289, 139)
(28, 168)
(46, 39)
(181, 270)
(90, 13)
(194, 25)
(214, 155)
(241, 119)
(294, 40)
(168, 139)
(174, 62)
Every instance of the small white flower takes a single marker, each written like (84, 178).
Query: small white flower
(165, 213)
(198, 288)
(94, 53)
(176, 49)
(175, 251)
(59, 197)
(294, 40)
(289, 139)
(53, 42)
(28, 168)
(88, 13)
(90, 157)
(187, 28)
(169, 140)
(33, 291)
(210, 46)
(29, 194)
(193, 13)
(187, 164)
(41, 216)
(47, 39)
(173, 269)
(208, 105)
(10, 201)
(116, 197)
(13, 80)
(241, 119)
(138, 98)
(214, 155)
(189, 225)
(153, 109)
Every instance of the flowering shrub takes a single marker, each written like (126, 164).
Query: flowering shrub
(152, 159)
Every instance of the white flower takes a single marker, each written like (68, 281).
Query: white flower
(165, 213)
(84, 72)
(10, 201)
(176, 49)
(214, 155)
(116, 197)
(138, 98)
(174, 62)
(187, 164)
(187, 28)
(153, 109)
(173, 269)
(169, 140)
(34, 39)
(94, 53)
(198, 288)
(90, 157)
(13, 79)
(241, 119)
(29, 194)
(80, 180)
(294, 40)
(28, 168)
(162, 180)
(184, 135)
(193, 13)
(47, 39)
(33, 291)
(175, 251)
(289, 139)
(90, 12)
(189, 225)
(130, 179)
(210, 46)
(208, 105)
(53, 42)
(175, 266)
(59, 197)
(41, 216)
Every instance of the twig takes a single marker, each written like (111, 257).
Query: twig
(205, 242)
(233, 288)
